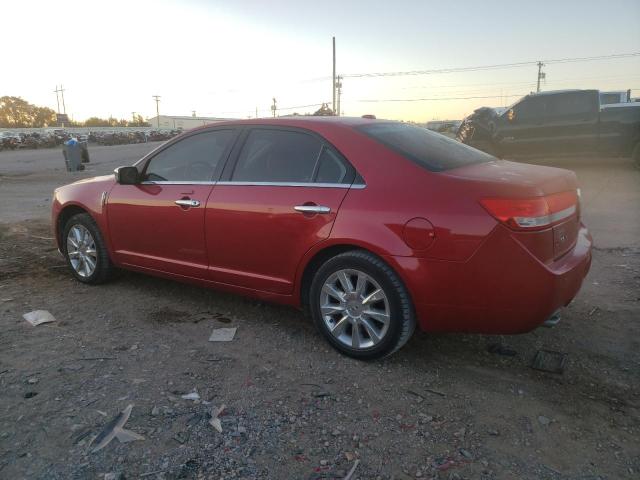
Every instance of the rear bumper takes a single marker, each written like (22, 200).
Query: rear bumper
(501, 289)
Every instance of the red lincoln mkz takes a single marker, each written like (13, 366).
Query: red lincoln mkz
(372, 225)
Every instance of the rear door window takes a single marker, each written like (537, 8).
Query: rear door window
(568, 104)
(428, 149)
(331, 168)
(270, 155)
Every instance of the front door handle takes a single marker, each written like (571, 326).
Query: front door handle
(187, 203)
(312, 209)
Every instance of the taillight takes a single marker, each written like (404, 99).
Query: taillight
(532, 213)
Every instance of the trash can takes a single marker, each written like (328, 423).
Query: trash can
(72, 152)
(84, 153)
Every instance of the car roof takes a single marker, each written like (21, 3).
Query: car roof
(295, 121)
(555, 92)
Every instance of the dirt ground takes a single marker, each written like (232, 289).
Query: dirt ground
(443, 407)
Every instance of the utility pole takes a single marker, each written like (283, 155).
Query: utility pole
(256, 111)
(339, 87)
(334, 74)
(133, 117)
(541, 75)
(157, 99)
(274, 107)
(57, 100)
(64, 108)
(61, 92)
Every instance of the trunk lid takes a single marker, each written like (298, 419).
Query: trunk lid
(539, 204)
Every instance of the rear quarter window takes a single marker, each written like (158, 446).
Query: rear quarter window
(428, 149)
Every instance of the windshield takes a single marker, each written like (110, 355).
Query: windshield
(428, 149)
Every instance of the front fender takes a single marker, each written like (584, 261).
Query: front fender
(88, 195)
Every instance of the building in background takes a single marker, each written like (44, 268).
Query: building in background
(178, 122)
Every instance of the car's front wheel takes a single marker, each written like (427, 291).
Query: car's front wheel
(361, 306)
(85, 250)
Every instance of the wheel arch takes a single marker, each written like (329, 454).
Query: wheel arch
(318, 257)
(63, 217)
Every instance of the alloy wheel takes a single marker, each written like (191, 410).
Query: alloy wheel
(355, 309)
(81, 250)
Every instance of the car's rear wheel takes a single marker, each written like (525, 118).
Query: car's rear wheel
(85, 250)
(361, 306)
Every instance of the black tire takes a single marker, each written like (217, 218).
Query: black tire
(402, 321)
(104, 269)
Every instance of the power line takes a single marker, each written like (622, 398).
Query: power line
(562, 80)
(491, 67)
(244, 112)
(435, 99)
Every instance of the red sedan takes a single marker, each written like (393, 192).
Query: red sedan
(373, 226)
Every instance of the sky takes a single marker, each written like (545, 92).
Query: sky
(229, 58)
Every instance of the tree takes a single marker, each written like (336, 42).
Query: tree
(96, 122)
(138, 121)
(18, 113)
(324, 111)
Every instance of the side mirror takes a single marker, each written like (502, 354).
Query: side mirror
(127, 175)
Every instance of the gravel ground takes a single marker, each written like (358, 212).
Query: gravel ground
(443, 407)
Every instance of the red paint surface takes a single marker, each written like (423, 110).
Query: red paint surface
(463, 269)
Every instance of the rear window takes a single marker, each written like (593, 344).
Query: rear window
(428, 149)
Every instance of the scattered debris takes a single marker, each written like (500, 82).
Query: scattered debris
(466, 454)
(191, 396)
(223, 334)
(443, 463)
(30, 394)
(97, 358)
(500, 349)
(181, 437)
(38, 317)
(114, 429)
(428, 390)
(215, 421)
(41, 238)
(353, 469)
(549, 361)
(114, 476)
(593, 310)
(148, 474)
(544, 421)
(81, 437)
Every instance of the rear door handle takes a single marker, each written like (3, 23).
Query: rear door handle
(312, 209)
(187, 203)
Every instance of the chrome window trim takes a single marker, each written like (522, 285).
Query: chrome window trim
(287, 184)
(358, 186)
(176, 182)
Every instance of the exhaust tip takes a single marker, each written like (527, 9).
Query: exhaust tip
(553, 320)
